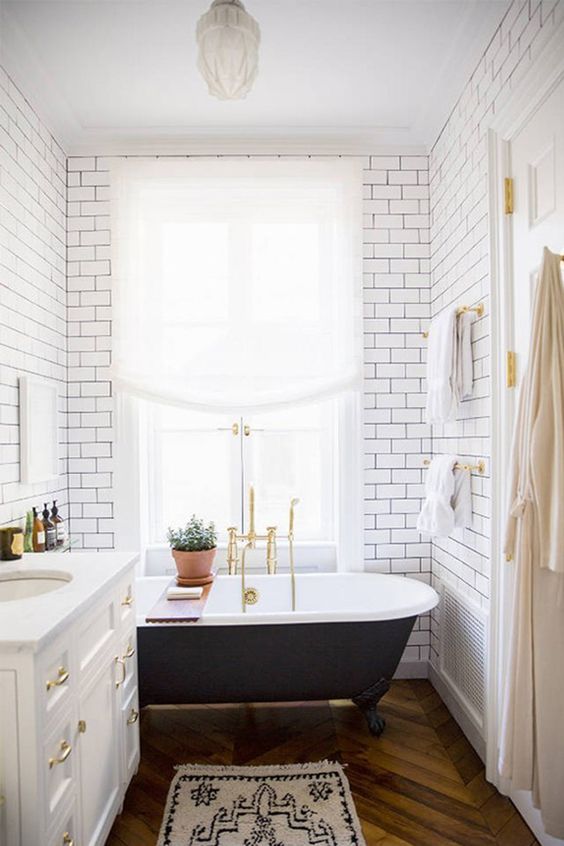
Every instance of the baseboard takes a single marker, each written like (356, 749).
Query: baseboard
(412, 670)
(523, 801)
(458, 711)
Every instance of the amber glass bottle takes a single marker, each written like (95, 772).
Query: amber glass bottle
(38, 534)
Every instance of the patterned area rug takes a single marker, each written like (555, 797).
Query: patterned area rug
(294, 805)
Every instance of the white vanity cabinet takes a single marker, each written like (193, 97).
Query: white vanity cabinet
(69, 731)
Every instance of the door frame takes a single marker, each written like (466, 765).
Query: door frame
(544, 74)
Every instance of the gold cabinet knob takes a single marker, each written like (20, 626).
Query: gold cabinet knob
(128, 600)
(133, 717)
(121, 663)
(129, 652)
(66, 749)
(67, 839)
(62, 677)
(82, 726)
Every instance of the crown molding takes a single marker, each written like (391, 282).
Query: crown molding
(275, 141)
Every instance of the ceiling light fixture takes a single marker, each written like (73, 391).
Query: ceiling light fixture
(228, 41)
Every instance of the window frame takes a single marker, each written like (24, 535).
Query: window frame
(345, 554)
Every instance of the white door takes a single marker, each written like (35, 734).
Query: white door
(537, 167)
(537, 164)
(99, 753)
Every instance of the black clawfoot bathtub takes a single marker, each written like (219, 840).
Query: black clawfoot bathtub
(344, 641)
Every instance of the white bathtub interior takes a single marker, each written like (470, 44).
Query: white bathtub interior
(326, 597)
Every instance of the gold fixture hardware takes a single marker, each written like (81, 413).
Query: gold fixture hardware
(251, 596)
(246, 430)
(271, 560)
(250, 539)
(82, 726)
(508, 557)
(479, 309)
(129, 652)
(67, 839)
(508, 195)
(128, 600)
(480, 467)
(232, 553)
(66, 749)
(252, 533)
(234, 429)
(133, 717)
(121, 663)
(293, 503)
(63, 676)
(511, 369)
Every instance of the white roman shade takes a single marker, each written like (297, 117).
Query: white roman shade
(236, 282)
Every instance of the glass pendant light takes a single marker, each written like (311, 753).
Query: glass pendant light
(228, 41)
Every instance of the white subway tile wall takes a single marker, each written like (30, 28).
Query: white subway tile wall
(460, 260)
(396, 288)
(33, 317)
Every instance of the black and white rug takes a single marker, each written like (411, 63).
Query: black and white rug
(293, 805)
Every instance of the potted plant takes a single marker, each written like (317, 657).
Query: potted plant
(193, 548)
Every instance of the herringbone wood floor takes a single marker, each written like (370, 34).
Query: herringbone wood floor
(420, 784)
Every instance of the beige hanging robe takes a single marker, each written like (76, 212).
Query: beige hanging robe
(532, 735)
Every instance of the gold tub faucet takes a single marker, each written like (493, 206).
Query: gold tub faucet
(249, 539)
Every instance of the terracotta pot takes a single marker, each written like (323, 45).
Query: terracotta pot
(194, 565)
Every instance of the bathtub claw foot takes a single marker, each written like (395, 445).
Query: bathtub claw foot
(367, 702)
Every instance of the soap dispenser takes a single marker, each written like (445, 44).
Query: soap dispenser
(59, 523)
(49, 528)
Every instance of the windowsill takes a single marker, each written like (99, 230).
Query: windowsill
(309, 556)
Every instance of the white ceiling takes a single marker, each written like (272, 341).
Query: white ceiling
(123, 72)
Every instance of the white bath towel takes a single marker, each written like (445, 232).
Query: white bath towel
(463, 356)
(437, 515)
(462, 499)
(441, 368)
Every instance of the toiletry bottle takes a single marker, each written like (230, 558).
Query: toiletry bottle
(38, 536)
(50, 531)
(59, 523)
(28, 534)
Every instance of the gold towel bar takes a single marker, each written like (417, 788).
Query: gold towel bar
(480, 467)
(479, 309)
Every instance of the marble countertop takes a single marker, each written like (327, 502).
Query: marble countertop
(28, 624)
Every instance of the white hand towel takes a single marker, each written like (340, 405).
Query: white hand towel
(462, 499)
(184, 592)
(441, 370)
(464, 364)
(437, 515)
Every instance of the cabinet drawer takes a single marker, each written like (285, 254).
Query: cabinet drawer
(130, 732)
(65, 830)
(125, 598)
(59, 768)
(56, 678)
(96, 634)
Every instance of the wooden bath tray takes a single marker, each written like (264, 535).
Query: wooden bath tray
(178, 610)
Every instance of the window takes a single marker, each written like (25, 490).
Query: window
(237, 329)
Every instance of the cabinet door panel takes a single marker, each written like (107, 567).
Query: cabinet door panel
(100, 778)
(130, 727)
(9, 764)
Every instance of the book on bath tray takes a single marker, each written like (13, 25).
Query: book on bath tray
(176, 592)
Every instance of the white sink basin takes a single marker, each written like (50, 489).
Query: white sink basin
(28, 583)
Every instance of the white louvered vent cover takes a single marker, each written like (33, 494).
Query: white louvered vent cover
(463, 650)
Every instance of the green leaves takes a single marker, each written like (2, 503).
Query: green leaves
(194, 537)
